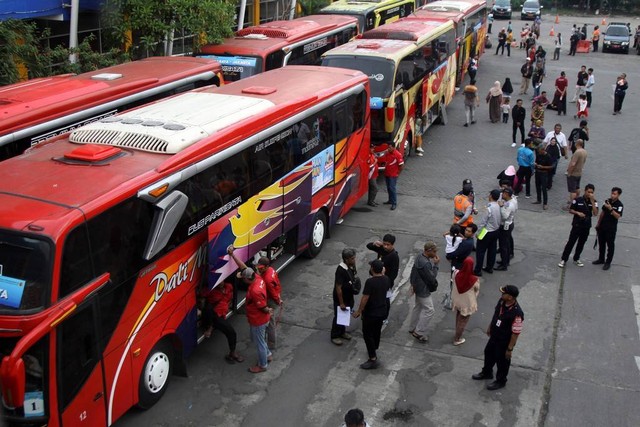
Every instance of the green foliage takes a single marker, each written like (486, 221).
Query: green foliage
(19, 46)
(86, 58)
(309, 7)
(152, 20)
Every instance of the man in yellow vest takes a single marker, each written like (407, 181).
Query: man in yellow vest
(463, 205)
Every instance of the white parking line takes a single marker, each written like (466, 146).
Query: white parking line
(635, 291)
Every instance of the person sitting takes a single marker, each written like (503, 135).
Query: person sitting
(542, 99)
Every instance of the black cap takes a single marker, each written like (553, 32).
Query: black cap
(467, 182)
(376, 266)
(508, 190)
(495, 194)
(510, 290)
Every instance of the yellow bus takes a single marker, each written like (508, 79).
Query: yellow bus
(371, 14)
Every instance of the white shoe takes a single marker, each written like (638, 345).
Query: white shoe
(513, 144)
(561, 264)
(579, 263)
(419, 154)
(419, 150)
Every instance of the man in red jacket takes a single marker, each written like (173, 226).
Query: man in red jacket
(214, 315)
(393, 166)
(271, 279)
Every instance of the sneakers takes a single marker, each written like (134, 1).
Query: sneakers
(560, 264)
(579, 263)
(369, 364)
(597, 262)
(419, 154)
(513, 144)
(346, 336)
(458, 342)
(336, 341)
(419, 150)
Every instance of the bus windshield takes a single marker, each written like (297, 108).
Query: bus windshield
(379, 70)
(237, 67)
(24, 272)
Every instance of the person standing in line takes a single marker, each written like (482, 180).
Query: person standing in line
(274, 290)
(558, 45)
(573, 42)
(581, 132)
(582, 209)
(518, 116)
(214, 315)
(591, 81)
(543, 165)
(355, 418)
(536, 79)
(503, 332)
(560, 95)
(258, 312)
(372, 162)
(619, 93)
(509, 41)
(581, 82)
(386, 252)
(423, 276)
(595, 37)
(607, 227)
(537, 114)
(464, 296)
(507, 88)
(574, 171)
(494, 99)
(502, 40)
(488, 244)
(343, 293)
(373, 309)
(471, 102)
(561, 139)
(525, 170)
(508, 208)
(526, 71)
(553, 150)
(393, 167)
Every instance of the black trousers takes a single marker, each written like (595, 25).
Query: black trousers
(494, 354)
(589, 98)
(542, 183)
(595, 45)
(371, 330)
(515, 131)
(577, 235)
(336, 330)
(617, 102)
(210, 318)
(505, 237)
(489, 245)
(606, 243)
(524, 177)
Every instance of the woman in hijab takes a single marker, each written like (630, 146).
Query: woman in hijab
(507, 87)
(494, 99)
(464, 297)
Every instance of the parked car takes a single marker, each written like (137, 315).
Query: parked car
(502, 9)
(531, 9)
(617, 38)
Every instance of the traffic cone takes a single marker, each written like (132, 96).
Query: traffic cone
(604, 21)
(557, 19)
(552, 33)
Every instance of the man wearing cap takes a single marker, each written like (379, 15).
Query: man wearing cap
(373, 308)
(272, 280)
(463, 205)
(508, 207)
(423, 275)
(503, 332)
(488, 243)
(343, 292)
(258, 312)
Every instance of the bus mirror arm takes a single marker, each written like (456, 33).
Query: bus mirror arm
(12, 370)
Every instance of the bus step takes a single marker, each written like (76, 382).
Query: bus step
(283, 261)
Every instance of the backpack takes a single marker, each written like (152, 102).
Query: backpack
(573, 137)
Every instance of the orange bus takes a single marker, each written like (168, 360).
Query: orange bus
(272, 45)
(108, 233)
(38, 109)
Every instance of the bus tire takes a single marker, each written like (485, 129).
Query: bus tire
(407, 146)
(317, 235)
(155, 375)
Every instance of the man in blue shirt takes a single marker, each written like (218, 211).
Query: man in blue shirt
(526, 160)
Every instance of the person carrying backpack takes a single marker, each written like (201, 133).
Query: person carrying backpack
(581, 132)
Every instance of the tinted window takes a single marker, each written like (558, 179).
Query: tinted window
(311, 52)
(618, 31)
(380, 71)
(76, 269)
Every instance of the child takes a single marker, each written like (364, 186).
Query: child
(453, 239)
(583, 110)
(506, 108)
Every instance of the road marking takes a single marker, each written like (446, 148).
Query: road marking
(406, 273)
(635, 291)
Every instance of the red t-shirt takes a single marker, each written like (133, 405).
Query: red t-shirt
(271, 279)
(256, 301)
(372, 161)
(562, 83)
(393, 161)
(219, 298)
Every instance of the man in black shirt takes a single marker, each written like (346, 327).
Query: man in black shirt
(581, 83)
(503, 332)
(373, 308)
(581, 132)
(465, 247)
(518, 114)
(582, 208)
(343, 293)
(607, 227)
(389, 257)
(543, 165)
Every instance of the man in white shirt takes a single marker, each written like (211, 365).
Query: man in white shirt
(489, 242)
(591, 81)
(508, 207)
(560, 137)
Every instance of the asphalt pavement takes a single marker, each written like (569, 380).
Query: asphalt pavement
(577, 362)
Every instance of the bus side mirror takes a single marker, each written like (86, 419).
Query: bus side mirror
(168, 214)
(12, 377)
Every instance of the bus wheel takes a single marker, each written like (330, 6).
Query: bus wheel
(317, 235)
(155, 375)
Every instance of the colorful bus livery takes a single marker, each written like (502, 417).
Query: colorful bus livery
(104, 277)
(275, 44)
(371, 14)
(39, 109)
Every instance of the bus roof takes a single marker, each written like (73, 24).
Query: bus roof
(454, 5)
(59, 173)
(360, 7)
(414, 30)
(274, 35)
(35, 101)
(422, 14)
(384, 48)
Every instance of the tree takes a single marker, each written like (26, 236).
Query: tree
(151, 22)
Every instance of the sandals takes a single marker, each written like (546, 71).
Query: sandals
(233, 358)
(420, 338)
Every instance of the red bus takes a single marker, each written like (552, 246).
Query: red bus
(272, 45)
(38, 109)
(470, 20)
(107, 233)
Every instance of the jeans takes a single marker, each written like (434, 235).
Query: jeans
(556, 53)
(258, 336)
(524, 177)
(371, 330)
(579, 235)
(391, 189)
(542, 183)
(470, 112)
(421, 314)
(606, 242)
(489, 245)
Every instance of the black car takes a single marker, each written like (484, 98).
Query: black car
(617, 38)
(502, 9)
(531, 9)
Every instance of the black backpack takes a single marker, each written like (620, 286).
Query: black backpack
(573, 137)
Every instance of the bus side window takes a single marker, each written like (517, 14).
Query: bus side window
(76, 269)
(342, 121)
(274, 60)
(356, 105)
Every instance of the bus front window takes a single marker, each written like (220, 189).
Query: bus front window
(25, 273)
(380, 71)
(235, 68)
